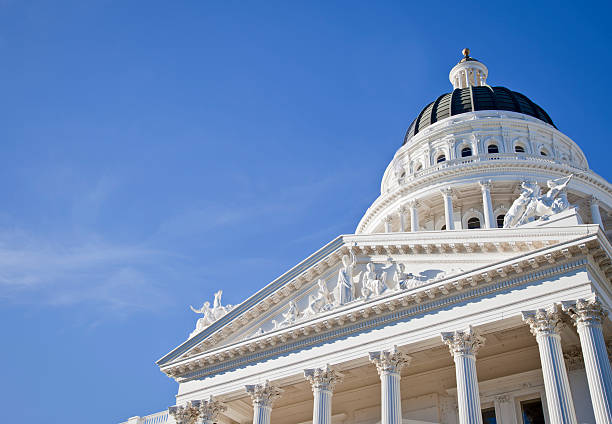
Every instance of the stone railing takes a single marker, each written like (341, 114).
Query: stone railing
(506, 157)
(157, 418)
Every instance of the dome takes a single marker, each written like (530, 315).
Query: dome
(474, 98)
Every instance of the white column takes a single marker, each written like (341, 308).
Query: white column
(387, 220)
(487, 204)
(185, 414)
(389, 365)
(263, 396)
(414, 215)
(402, 218)
(448, 208)
(545, 325)
(323, 381)
(588, 316)
(595, 213)
(209, 410)
(463, 346)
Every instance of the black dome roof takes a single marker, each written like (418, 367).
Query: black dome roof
(473, 98)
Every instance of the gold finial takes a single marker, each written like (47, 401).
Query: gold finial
(466, 52)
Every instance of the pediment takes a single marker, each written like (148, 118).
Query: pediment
(404, 267)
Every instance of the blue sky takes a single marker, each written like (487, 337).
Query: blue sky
(154, 152)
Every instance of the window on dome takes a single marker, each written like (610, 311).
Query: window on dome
(403, 174)
(440, 158)
(466, 151)
(519, 149)
(443, 227)
(500, 220)
(418, 168)
(543, 153)
(492, 148)
(473, 223)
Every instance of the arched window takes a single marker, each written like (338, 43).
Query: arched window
(443, 227)
(473, 223)
(519, 149)
(466, 151)
(543, 152)
(418, 168)
(403, 174)
(500, 220)
(492, 148)
(440, 158)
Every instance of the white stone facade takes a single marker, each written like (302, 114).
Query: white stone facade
(360, 331)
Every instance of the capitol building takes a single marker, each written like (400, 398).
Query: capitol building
(475, 289)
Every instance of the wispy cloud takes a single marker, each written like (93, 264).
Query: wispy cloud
(111, 276)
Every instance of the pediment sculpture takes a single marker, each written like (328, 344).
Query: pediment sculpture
(351, 285)
(345, 288)
(532, 204)
(373, 283)
(210, 315)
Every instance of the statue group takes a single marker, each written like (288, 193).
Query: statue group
(532, 204)
(210, 315)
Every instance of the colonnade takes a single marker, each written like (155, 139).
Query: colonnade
(587, 315)
(447, 195)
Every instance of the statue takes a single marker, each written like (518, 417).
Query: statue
(289, 317)
(403, 280)
(532, 204)
(322, 301)
(373, 283)
(529, 190)
(210, 315)
(344, 292)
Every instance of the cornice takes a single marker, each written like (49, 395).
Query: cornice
(531, 265)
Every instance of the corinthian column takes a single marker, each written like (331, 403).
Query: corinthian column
(595, 214)
(448, 208)
(185, 414)
(463, 346)
(545, 325)
(588, 316)
(389, 365)
(414, 215)
(263, 396)
(487, 204)
(209, 410)
(323, 381)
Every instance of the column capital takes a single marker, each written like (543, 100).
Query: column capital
(463, 342)
(446, 191)
(543, 321)
(585, 311)
(593, 201)
(323, 378)
(263, 394)
(412, 203)
(390, 361)
(485, 185)
(402, 209)
(387, 219)
(185, 414)
(210, 409)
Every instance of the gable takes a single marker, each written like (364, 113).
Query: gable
(433, 258)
